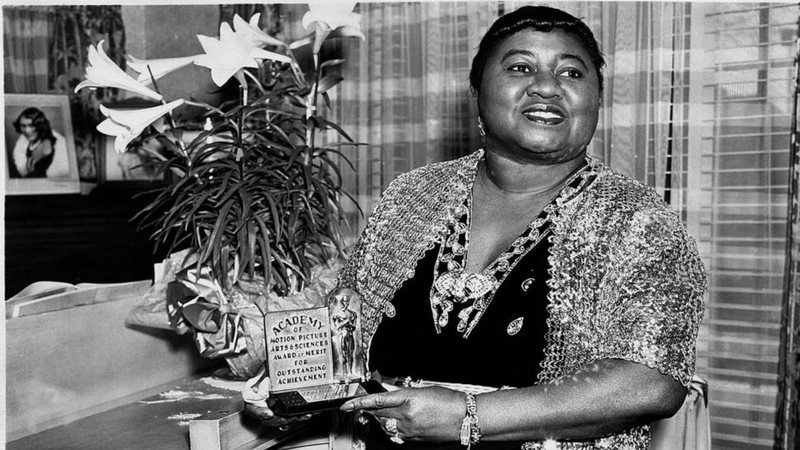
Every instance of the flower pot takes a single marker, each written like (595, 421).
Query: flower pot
(246, 364)
(230, 325)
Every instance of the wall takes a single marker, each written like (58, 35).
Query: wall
(76, 238)
(171, 31)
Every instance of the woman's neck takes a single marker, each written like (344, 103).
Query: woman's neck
(519, 179)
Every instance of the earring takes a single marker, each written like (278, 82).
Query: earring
(481, 129)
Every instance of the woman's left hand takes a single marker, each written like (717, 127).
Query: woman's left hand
(431, 414)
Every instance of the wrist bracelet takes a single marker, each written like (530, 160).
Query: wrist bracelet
(470, 431)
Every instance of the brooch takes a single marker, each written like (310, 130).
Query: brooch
(515, 325)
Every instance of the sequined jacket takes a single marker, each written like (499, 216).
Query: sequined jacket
(626, 279)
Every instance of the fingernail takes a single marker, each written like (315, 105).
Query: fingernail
(349, 406)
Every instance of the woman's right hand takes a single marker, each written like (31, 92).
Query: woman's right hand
(255, 394)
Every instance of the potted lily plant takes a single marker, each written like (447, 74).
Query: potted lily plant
(253, 200)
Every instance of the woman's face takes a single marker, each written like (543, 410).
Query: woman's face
(27, 128)
(539, 97)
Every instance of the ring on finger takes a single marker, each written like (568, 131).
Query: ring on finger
(390, 426)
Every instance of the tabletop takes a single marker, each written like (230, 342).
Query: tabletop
(161, 421)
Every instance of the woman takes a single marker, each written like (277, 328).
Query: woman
(527, 265)
(40, 152)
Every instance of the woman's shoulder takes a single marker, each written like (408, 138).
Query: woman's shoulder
(620, 204)
(434, 174)
(623, 194)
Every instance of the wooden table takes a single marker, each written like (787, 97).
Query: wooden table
(161, 421)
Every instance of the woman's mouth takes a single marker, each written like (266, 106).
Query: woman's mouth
(545, 114)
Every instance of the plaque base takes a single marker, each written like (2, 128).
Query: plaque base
(320, 398)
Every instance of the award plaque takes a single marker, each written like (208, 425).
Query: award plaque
(315, 357)
(298, 348)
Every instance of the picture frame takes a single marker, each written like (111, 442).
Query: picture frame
(55, 169)
(127, 167)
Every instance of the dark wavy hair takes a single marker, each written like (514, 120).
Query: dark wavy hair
(39, 121)
(540, 18)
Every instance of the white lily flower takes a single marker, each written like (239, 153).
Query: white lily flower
(159, 67)
(327, 16)
(330, 15)
(127, 125)
(252, 31)
(103, 73)
(231, 53)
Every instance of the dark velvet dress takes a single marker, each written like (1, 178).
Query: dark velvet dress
(407, 345)
(495, 353)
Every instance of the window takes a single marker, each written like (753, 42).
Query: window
(733, 114)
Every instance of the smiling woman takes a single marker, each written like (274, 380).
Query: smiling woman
(528, 265)
(540, 105)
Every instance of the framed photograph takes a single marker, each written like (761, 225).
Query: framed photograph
(130, 166)
(40, 148)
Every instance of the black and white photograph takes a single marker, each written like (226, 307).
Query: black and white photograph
(40, 151)
(525, 225)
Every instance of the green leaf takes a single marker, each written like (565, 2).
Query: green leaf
(328, 124)
(327, 82)
(331, 63)
(262, 237)
(216, 234)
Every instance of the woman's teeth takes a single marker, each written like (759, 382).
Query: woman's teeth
(544, 117)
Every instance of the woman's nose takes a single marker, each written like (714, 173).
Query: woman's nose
(544, 84)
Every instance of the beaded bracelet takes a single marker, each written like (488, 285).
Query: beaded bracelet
(470, 431)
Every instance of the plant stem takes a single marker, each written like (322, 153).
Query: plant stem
(172, 124)
(204, 105)
(298, 74)
(310, 128)
(243, 91)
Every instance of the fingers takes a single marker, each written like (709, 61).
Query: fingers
(375, 401)
(259, 412)
(271, 420)
(256, 389)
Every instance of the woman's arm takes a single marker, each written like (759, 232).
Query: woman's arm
(604, 398)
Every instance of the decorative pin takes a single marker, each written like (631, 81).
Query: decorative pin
(527, 284)
(515, 325)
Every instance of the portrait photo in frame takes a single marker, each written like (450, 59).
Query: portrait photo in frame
(37, 165)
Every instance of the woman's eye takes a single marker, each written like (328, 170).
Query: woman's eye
(572, 73)
(523, 68)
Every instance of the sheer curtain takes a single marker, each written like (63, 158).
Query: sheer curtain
(406, 90)
(26, 48)
(735, 115)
